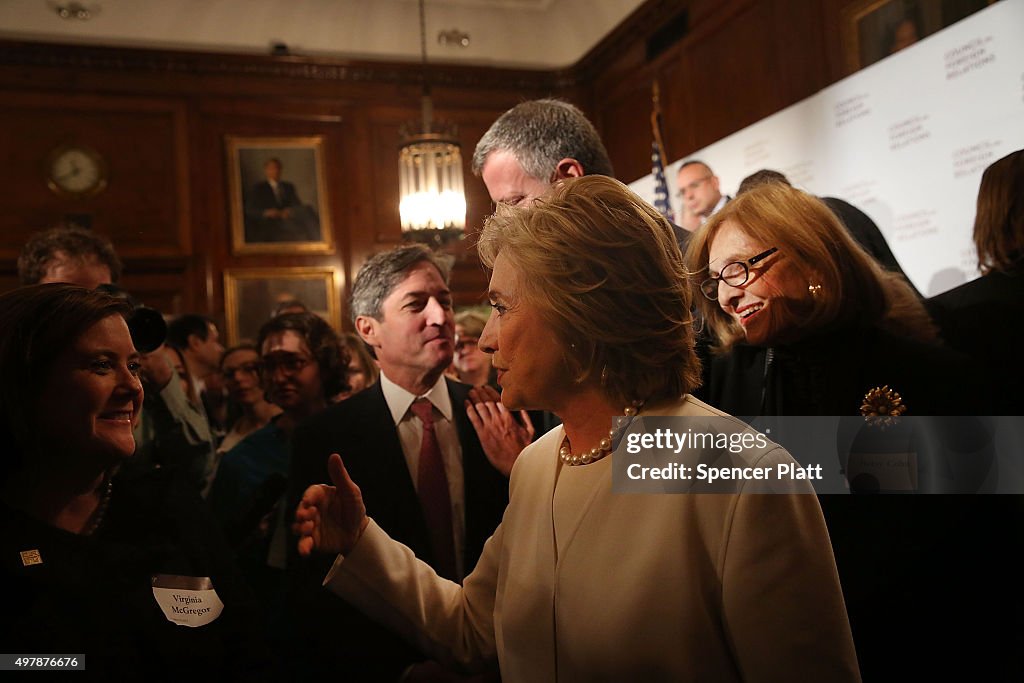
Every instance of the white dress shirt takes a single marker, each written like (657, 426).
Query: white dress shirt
(721, 202)
(410, 434)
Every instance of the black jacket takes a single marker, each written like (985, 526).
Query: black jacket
(336, 636)
(931, 582)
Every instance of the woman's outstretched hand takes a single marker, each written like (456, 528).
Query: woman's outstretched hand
(330, 519)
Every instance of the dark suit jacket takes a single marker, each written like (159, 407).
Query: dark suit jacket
(361, 429)
(985, 320)
(930, 581)
(302, 225)
(262, 197)
(682, 237)
(866, 233)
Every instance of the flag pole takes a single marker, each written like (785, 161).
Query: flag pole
(661, 191)
(656, 117)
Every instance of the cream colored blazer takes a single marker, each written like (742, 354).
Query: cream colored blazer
(580, 584)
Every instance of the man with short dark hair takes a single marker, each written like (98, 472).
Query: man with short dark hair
(699, 190)
(69, 254)
(408, 443)
(198, 339)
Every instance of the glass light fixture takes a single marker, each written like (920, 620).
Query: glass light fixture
(432, 201)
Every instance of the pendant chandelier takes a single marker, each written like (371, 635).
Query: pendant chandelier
(432, 202)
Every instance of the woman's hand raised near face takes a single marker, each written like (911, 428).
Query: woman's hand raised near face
(330, 519)
(501, 435)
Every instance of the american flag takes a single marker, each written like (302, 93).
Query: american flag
(661, 202)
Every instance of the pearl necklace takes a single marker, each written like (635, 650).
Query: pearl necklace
(101, 509)
(603, 448)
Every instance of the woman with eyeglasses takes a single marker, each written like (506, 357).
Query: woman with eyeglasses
(472, 363)
(805, 323)
(240, 368)
(302, 366)
(802, 320)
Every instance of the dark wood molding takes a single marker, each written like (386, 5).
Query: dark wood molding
(636, 28)
(321, 69)
(736, 62)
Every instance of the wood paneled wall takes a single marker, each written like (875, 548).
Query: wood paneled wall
(161, 118)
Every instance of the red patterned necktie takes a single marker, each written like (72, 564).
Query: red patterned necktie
(432, 487)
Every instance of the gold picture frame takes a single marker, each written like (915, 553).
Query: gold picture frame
(875, 29)
(286, 214)
(251, 295)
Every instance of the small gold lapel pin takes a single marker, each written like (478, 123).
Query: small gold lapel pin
(30, 557)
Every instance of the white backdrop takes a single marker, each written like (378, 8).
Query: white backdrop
(905, 140)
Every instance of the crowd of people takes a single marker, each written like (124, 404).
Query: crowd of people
(398, 502)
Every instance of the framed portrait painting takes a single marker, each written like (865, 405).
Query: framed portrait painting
(253, 295)
(278, 195)
(875, 29)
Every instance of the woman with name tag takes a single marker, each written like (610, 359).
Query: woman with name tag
(591, 320)
(805, 323)
(123, 573)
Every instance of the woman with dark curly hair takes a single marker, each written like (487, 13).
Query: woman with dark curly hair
(94, 562)
(591, 320)
(303, 365)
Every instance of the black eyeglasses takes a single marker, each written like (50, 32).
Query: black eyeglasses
(733, 274)
(245, 368)
(289, 363)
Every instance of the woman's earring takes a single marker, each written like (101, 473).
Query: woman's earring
(814, 290)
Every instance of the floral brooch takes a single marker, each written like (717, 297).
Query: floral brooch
(882, 406)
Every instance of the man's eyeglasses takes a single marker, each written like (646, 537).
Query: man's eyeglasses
(692, 187)
(733, 274)
(245, 368)
(289, 363)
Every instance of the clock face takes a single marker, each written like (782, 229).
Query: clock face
(77, 171)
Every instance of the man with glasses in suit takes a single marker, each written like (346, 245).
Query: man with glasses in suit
(699, 190)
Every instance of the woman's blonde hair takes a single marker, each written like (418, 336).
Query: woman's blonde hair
(604, 271)
(850, 286)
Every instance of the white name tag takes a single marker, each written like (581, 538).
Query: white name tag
(187, 600)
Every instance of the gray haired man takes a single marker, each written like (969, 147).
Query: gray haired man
(536, 143)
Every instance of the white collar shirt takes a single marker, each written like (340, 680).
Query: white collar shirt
(410, 434)
(721, 202)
